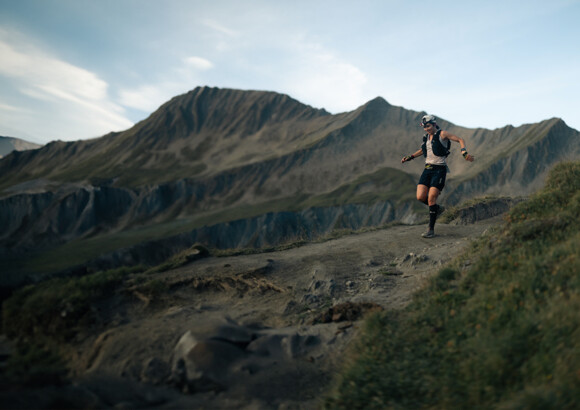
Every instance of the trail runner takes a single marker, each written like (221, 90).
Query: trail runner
(435, 149)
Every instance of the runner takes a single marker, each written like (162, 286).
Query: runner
(435, 149)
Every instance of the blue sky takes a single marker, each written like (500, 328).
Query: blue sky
(77, 69)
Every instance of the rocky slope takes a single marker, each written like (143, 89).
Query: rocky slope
(260, 331)
(214, 156)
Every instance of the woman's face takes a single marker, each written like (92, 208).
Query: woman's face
(429, 128)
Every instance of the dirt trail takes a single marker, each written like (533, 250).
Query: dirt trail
(260, 311)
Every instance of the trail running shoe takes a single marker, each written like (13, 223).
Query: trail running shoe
(429, 234)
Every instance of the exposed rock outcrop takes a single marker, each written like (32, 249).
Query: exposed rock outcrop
(229, 355)
(484, 209)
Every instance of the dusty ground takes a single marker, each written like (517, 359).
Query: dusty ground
(273, 354)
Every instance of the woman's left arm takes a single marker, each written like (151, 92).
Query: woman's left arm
(461, 141)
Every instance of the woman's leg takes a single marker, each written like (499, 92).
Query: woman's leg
(433, 207)
(433, 195)
(423, 194)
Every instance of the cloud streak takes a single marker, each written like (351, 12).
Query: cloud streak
(49, 75)
(56, 86)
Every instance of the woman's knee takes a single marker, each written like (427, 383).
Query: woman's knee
(422, 193)
(432, 199)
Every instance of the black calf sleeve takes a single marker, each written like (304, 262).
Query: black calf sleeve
(432, 215)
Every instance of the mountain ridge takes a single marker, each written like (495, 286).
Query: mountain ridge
(214, 151)
(9, 144)
(170, 136)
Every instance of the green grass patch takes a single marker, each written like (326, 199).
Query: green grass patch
(45, 317)
(57, 309)
(195, 252)
(386, 184)
(497, 328)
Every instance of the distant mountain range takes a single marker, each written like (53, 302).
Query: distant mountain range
(232, 168)
(9, 144)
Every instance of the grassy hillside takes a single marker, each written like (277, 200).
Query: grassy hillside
(498, 328)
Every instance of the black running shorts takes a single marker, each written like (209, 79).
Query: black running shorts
(434, 176)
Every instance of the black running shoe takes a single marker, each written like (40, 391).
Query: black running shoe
(429, 234)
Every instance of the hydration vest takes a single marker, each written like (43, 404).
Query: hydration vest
(438, 148)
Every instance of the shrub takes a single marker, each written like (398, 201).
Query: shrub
(58, 308)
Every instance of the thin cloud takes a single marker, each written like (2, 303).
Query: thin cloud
(214, 25)
(198, 63)
(76, 97)
(11, 108)
(40, 71)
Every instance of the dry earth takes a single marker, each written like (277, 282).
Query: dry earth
(253, 331)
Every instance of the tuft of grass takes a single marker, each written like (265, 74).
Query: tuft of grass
(43, 317)
(191, 254)
(57, 309)
(154, 288)
(497, 328)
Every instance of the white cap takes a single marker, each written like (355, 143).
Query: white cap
(427, 119)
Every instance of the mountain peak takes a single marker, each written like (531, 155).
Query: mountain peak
(379, 100)
(220, 109)
(377, 103)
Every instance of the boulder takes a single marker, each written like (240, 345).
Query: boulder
(215, 358)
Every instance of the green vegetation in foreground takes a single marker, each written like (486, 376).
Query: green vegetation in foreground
(498, 328)
(57, 308)
(43, 317)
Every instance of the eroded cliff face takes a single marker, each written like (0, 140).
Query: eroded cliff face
(42, 220)
(266, 230)
(32, 222)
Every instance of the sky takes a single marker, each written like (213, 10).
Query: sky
(79, 69)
